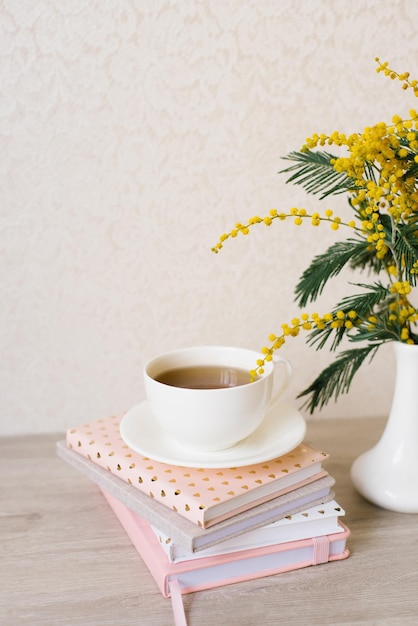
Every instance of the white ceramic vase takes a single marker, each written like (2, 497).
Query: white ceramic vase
(387, 475)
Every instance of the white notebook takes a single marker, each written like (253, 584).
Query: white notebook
(312, 522)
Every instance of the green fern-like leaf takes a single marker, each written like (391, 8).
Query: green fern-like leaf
(382, 332)
(337, 377)
(319, 338)
(315, 173)
(329, 264)
(406, 247)
(366, 259)
(364, 303)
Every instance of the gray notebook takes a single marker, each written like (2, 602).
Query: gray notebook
(183, 531)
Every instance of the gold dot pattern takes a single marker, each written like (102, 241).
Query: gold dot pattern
(189, 491)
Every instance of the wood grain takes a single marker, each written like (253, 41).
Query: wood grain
(66, 560)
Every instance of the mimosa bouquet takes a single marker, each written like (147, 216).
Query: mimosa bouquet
(378, 170)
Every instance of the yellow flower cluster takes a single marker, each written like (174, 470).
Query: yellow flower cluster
(338, 319)
(387, 149)
(401, 287)
(372, 227)
(298, 215)
(402, 314)
(404, 77)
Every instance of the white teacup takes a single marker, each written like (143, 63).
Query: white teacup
(225, 408)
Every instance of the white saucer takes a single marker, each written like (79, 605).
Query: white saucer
(282, 429)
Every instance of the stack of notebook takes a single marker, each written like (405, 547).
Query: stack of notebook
(197, 528)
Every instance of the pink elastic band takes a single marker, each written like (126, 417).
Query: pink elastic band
(177, 603)
(321, 550)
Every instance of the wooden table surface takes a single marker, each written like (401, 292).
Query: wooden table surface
(66, 560)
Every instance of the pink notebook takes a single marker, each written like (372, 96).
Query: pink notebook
(204, 496)
(175, 579)
(182, 530)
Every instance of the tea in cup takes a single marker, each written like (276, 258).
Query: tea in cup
(204, 397)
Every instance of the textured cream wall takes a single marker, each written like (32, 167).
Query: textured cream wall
(132, 134)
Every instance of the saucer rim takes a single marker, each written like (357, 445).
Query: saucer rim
(233, 457)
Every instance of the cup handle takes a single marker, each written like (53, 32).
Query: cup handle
(288, 372)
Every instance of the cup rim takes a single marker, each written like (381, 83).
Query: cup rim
(211, 349)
